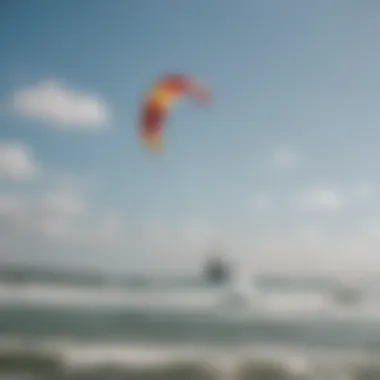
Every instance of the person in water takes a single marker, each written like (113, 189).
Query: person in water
(216, 271)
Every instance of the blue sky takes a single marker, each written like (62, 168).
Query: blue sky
(282, 169)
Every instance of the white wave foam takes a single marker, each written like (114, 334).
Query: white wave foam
(210, 302)
(86, 356)
(108, 297)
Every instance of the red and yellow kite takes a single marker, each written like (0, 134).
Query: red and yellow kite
(160, 100)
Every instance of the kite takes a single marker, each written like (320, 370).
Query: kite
(159, 102)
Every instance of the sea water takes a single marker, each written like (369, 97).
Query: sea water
(173, 329)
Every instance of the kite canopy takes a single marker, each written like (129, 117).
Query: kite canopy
(159, 102)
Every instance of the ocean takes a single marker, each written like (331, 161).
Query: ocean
(81, 326)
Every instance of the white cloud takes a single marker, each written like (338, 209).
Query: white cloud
(321, 199)
(261, 202)
(57, 207)
(311, 234)
(64, 204)
(181, 242)
(17, 162)
(284, 158)
(61, 226)
(10, 206)
(363, 191)
(348, 253)
(372, 227)
(197, 234)
(55, 103)
(108, 241)
(324, 198)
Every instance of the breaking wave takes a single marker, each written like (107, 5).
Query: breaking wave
(80, 360)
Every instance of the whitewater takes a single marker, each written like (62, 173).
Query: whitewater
(246, 330)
